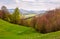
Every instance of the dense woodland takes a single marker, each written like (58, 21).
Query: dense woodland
(48, 22)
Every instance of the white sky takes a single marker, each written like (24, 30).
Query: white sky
(32, 4)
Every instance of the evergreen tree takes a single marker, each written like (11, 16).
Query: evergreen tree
(16, 16)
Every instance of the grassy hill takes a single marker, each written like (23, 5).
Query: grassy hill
(12, 31)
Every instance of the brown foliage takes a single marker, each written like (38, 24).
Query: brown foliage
(49, 22)
(23, 22)
(1, 15)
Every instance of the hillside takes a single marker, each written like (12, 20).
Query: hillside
(12, 31)
(48, 22)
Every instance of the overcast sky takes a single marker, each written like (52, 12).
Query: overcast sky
(31, 4)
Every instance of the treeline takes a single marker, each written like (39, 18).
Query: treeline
(48, 22)
(13, 18)
(16, 17)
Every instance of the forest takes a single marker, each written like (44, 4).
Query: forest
(48, 22)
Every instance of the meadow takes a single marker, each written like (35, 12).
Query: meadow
(19, 26)
(13, 31)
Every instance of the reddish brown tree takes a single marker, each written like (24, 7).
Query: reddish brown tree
(1, 15)
(48, 22)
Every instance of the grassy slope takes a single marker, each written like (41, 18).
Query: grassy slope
(12, 31)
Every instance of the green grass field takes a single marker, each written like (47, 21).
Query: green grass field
(12, 31)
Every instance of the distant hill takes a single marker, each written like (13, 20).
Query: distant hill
(27, 12)
(11, 10)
